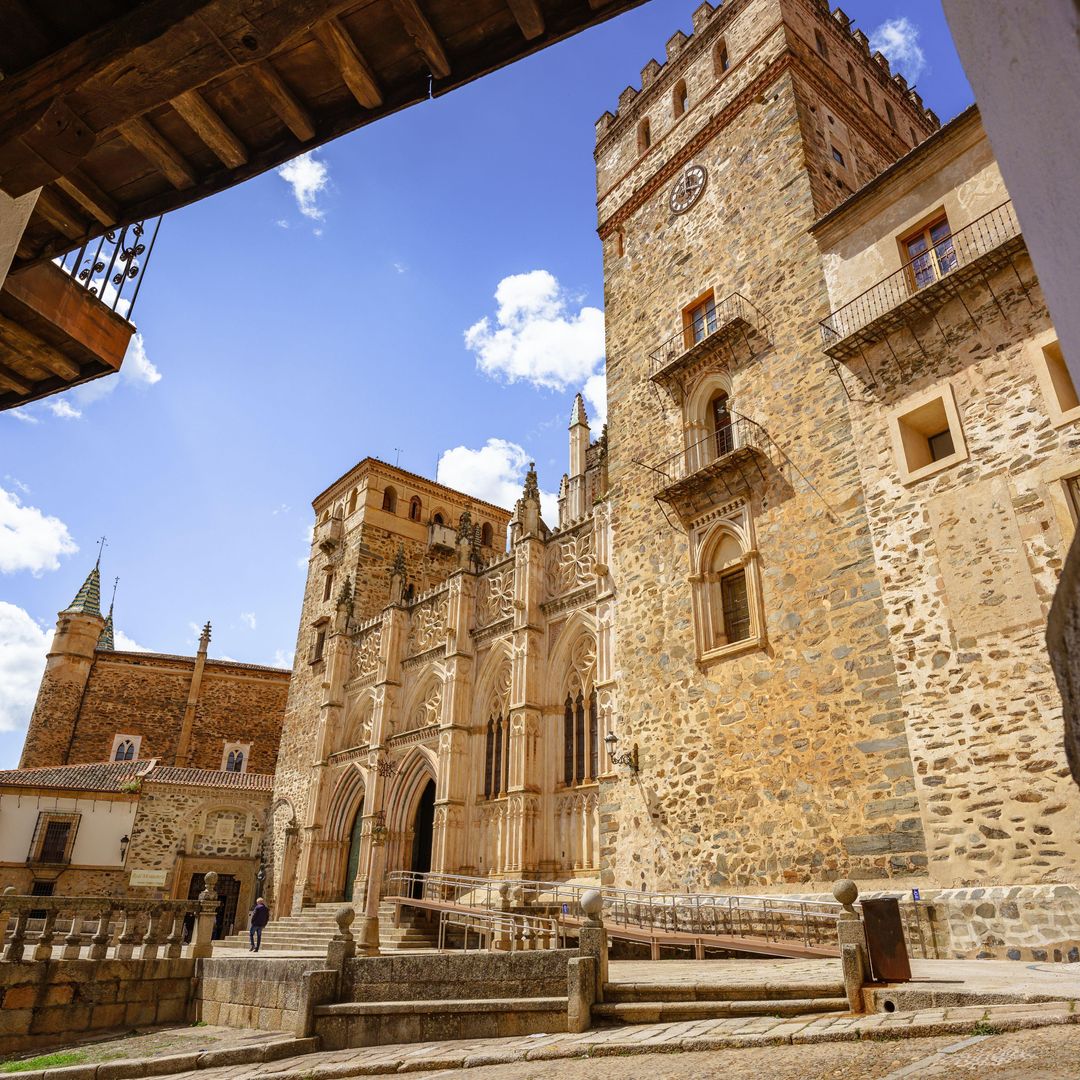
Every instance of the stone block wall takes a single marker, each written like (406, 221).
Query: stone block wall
(44, 1003)
(267, 995)
(458, 975)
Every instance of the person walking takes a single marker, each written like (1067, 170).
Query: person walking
(259, 917)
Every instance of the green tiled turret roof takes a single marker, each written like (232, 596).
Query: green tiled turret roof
(105, 639)
(88, 599)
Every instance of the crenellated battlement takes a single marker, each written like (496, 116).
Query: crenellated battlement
(708, 21)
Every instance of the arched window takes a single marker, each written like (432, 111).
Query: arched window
(721, 63)
(720, 424)
(125, 751)
(644, 136)
(868, 91)
(414, 508)
(914, 137)
(890, 114)
(389, 500)
(568, 741)
(235, 762)
(487, 534)
(497, 758)
(581, 738)
(352, 501)
(851, 75)
(822, 48)
(438, 519)
(726, 587)
(679, 99)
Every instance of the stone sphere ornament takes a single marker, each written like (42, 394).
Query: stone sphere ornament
(592, 903)
(846, 892)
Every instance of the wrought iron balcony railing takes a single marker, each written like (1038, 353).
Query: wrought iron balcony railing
(954, 259)
(723, 455)
(711, 326)
(112, 267)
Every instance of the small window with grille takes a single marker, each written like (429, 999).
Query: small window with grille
(54, 837)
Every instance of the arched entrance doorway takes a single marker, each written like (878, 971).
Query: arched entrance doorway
(423, 829)
(352, 865)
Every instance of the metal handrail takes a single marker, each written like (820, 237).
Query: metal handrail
(731, 309)
(781, 919)
(112, 267)
(740, 433)
(964, 246)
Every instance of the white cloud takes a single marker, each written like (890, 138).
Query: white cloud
(29, 539)
(125, 644)
(595, 394)
(898, 39)
(284, 658)
(248, 618)
(494, 473)
(536, 336)
(16, 482)
(24, 416)
(60, 407)
(138, 367)
(400, 267)
(23, 645)
(308, 177)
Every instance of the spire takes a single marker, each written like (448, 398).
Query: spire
(204, 637)
(577, 415)
(88, 599)
(531, 490)
(105, 638)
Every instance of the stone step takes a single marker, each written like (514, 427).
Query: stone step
(619, 993)
(653, 1012)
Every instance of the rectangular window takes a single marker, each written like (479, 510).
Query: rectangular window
(838, 157)
(700, 320)
(328, 585)
(320, 645)
(1072, 495)
(941, 445)
(929, 252)
(927, 435)
(735, 605)
(41, 888)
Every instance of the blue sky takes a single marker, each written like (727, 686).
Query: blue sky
(278, 348)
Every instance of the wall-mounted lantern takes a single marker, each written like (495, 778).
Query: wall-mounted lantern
(629, 758)
(124, 841)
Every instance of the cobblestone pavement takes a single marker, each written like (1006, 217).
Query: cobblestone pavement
(837, 1035)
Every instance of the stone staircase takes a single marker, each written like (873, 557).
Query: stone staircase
(649, 1003)
(310, 931)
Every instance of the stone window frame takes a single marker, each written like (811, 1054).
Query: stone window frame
(236, 748)
(1050, 380)
(903, 447)
(680, 100)
(735, 520)
(118, 738)
(41, 828)
(319, 631)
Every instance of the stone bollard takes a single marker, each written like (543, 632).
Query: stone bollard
(342, 946)
(43, 949)
(155, 932)
(13, 951)
(592, 938)
(852, 938)
(5, 910)
(205, 918)
(580, 993)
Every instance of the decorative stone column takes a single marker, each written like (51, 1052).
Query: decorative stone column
(849, 929)
(201, 945)
(592, 938)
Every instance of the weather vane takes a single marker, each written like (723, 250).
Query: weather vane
(101, 547)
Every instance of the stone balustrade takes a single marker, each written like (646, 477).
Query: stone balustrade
(103, 927)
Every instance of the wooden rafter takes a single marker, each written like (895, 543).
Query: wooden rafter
(33, 347)
(347, 58)
(424, 37)
(200, 116)
(12, 378)
(159, 152)
(81, 189)
(529, 17)
(284, 102)
(53, 210)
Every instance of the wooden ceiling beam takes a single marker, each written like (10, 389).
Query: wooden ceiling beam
(53, 210)
(284, 102)
(201, 117)
(347, 58)
(423, 34)
(78, 187)
(12, 378)
(161, 153)
(38, 351)
(529, 17)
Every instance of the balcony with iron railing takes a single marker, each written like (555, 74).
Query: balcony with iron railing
(67, 321)
(733, 320)
(923, 284)
(720, 465)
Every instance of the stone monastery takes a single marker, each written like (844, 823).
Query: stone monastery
(790, 624)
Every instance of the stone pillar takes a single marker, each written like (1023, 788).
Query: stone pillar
(580, 993)
(342, 946)
(14, 214)
(852, 940)
(592, 938)
(201, 944)
(183, 743)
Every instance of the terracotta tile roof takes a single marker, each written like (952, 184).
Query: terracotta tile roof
(212, 778)
(113, 775)
(99, 776)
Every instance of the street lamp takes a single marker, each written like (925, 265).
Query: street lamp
(629, 758)
(124, 841)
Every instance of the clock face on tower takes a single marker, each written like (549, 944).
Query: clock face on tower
(688, 189)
